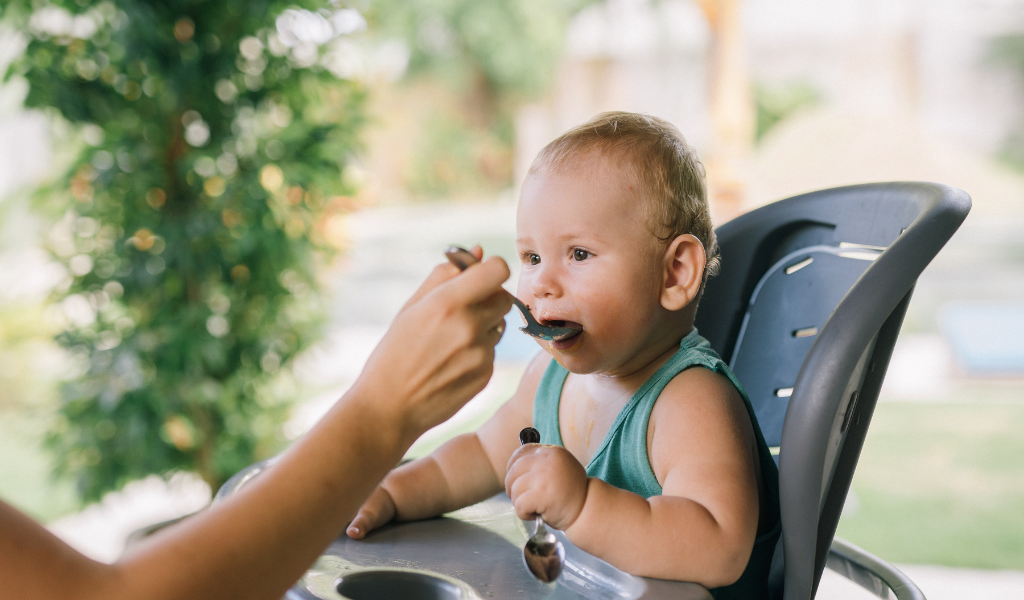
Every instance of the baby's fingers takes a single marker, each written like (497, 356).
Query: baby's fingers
(522, 459)
(526, 502)
(365, 522)
(378, 509)
(520, 477)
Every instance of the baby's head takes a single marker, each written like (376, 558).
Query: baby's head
(653, 156)
(614, 233)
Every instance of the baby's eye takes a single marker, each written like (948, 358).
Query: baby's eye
(579, 254)
(532, 259)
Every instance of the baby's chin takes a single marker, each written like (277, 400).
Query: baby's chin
(573, 354)
(573, 366)
(568, 345)
(590, 357)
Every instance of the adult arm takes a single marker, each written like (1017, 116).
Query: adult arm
(437, 354)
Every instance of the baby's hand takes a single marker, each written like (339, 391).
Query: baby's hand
(546, 481)
(378, 509)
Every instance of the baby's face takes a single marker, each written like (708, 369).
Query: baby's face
(589, 258)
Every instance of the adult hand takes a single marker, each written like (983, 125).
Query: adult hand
(547, 481)
(254, 545)
(439, 351)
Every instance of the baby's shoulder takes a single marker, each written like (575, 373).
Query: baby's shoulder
(700, 379)
(530, 381)
(535, 371)
(700, 415)
(698, 397)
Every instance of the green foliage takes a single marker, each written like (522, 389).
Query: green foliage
(500, 48)
(210, 174)
(490, 57)
(452, 155)
(776, 103)
(1009, 50)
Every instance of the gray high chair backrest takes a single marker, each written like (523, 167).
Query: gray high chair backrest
(807, 309)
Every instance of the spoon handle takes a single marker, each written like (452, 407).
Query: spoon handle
(462, 258)
(526, 311)
(529, 435)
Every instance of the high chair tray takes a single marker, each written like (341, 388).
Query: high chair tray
(475, 553)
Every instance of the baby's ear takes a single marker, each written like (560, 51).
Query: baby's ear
(683, 270)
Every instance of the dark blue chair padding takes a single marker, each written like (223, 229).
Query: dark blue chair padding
(789, 305)
(836, 382)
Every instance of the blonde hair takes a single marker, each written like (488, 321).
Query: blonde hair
(658, 159)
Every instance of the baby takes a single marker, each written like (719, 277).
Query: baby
(651, 457)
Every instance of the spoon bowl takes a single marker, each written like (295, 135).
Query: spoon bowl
(543, 554)
(462, 258)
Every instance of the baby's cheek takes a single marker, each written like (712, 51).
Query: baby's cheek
(605, 314)
(596, 305)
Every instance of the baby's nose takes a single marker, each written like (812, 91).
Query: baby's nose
(545, 283)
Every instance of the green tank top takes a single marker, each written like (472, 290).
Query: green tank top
(622, 460)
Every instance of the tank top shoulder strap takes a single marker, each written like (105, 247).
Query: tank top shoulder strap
(693, 351)
(546, 401)
(622, 459)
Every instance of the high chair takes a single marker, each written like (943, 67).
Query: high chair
(806, 311)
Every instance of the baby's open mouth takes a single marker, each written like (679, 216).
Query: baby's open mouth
(572, 331)
(558, 323)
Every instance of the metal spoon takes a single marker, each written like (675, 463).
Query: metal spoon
(461, 258)
(543, 554)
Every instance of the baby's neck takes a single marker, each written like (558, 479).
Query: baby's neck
(640, 367)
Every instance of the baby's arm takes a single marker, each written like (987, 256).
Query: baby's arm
(465, 470)
(701, 529)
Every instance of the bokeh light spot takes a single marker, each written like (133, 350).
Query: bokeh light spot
(271, 177)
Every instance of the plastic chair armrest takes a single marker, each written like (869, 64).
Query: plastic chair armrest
(870, 572)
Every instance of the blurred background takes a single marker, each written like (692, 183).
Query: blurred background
(210, 213)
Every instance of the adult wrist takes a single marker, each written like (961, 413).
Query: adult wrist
(392, 425)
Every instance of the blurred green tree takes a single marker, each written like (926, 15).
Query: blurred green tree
(776, 103)
(211, 173)
(491, 57)
(1008, 50)
(497, 52)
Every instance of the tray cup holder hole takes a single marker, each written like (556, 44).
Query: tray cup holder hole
(373, 585)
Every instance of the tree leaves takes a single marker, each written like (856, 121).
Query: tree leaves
(193, 219)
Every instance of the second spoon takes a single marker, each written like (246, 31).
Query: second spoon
(543, 554)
